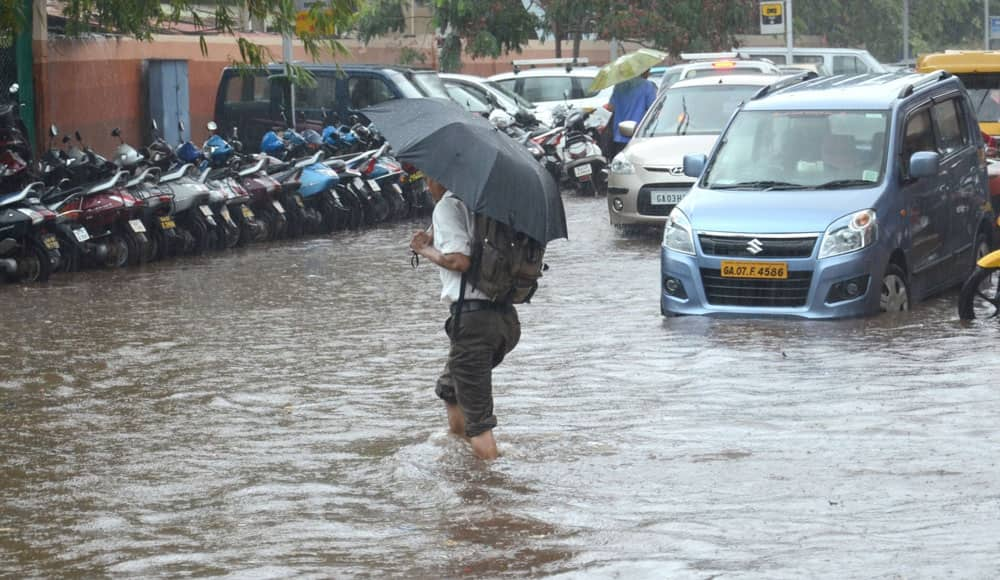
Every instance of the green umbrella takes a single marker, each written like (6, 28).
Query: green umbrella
(627, 66)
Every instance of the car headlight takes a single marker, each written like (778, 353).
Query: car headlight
(677, 233)
(850, 234)
(621, 165)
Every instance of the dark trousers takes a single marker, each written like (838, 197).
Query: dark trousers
(484, 337)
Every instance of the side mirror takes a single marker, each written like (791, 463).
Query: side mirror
(14, 88)
(212, 126)
(180, 125)
(694, 164)
(627, 128)
(565, 94)
(78, 137)
(924, 164)
(53, 131)
(155, 126)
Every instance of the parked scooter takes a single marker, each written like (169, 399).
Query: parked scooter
(29, 250)
(114, 234)
(187, 225)
(980, 294)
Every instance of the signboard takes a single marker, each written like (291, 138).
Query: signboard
(772, 17)
(994, 26)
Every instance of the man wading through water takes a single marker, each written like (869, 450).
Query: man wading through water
(486, 330)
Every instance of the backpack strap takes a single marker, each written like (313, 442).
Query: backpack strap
(457, 319)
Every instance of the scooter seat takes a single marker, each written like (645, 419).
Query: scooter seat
(337, 165)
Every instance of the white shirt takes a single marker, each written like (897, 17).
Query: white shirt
(453, 227)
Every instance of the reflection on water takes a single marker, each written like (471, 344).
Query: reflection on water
(270, 413)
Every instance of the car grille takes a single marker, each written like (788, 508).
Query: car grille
(791, 292)
(646, 208)
(737, 246)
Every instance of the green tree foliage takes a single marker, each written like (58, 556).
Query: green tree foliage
(142, 18)
(480, 28)
(671, 25)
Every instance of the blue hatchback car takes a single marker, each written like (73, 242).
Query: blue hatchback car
(831, 197)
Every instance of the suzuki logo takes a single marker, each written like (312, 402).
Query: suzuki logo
(679, 170)
(755, 247)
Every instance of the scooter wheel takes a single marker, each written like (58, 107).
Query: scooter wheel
(33, 263)
(980, 295)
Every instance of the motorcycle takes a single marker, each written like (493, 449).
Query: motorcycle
(29, 249)
(112, 233)
(583, 163)
(176, 205)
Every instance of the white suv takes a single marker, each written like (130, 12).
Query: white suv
(715, 68)
(552, 86)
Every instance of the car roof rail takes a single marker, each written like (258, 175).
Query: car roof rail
(924, 80)
(785, 83)
(569, 63)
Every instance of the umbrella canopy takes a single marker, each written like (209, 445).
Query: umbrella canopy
(627, 66)
(485, 168)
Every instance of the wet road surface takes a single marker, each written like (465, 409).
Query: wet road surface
(269, 413)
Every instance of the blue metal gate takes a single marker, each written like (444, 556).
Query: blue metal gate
(169, 98)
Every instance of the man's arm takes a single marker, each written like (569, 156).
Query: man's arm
(421, 244)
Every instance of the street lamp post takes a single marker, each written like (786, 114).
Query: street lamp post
(906, 31)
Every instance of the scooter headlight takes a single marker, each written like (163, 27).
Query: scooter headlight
(620, 165)
(677, 233)
(850, 234)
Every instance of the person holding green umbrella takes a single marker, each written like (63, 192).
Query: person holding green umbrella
(634, 93)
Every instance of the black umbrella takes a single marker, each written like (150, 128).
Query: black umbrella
(485, 168)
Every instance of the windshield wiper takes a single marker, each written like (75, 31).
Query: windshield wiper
(685, 121)
(762, 185)
(838, 183)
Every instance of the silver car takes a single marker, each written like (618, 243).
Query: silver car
(647, 178)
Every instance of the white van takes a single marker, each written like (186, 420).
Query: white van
(839, 61)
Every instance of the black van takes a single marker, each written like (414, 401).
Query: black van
(254, 103)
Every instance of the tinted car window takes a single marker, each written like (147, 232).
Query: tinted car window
(430, 84)
(543, 89)
(508, 84)
(465, 98)
(247, 89)
(848, 65)
(694, 110)
(323, 95)
(807, 58)
(948, 121)
(917, 136)
(366, 91)
(506, 90)
(984, 90)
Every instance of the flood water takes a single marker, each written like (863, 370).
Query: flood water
(269, 413)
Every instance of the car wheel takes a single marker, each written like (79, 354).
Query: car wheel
(895, 290)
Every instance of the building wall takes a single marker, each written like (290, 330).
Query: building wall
(94, 85)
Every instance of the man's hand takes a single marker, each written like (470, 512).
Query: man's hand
(420, 240)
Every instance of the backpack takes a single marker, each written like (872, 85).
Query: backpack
(506, 264)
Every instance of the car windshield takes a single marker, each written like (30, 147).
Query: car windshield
(430, 84)
(467, 99)
(521, 101)
(800, 150)
(984, 90)
(701, 110)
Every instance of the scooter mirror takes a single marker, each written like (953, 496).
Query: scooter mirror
(53, 131)
(78, 137)
(236, 132)
(180, 125)
(212, 126)
(155, 126)
(14, 88)
(116, 132)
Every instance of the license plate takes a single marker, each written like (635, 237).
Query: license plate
(278, 207)
(247, 213)
(581, 170)
(757, 270)
(167, 222)
(205, 210)
(666, 197)
(50, 242)
(81, 234)
(374, 185)
(137, 226)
